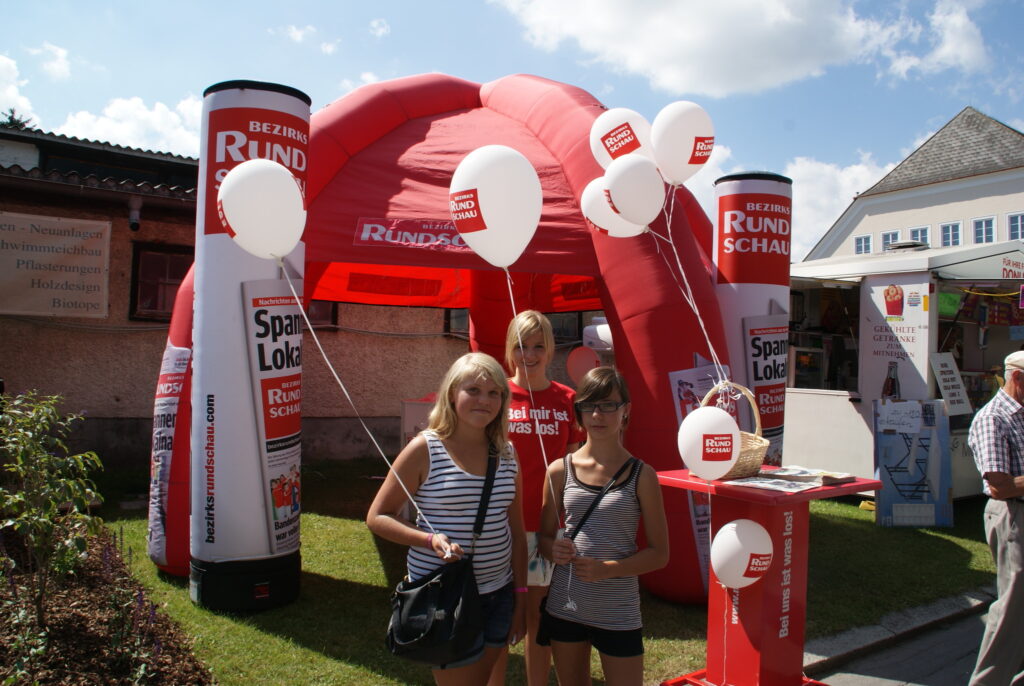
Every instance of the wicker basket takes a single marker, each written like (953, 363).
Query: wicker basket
(753, 446)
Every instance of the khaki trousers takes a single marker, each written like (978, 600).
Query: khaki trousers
(1001, 656)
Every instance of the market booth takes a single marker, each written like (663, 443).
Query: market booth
(871, 327)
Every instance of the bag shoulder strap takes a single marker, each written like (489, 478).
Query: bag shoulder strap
(485, 496)
(597, 498)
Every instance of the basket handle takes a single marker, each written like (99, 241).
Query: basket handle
(726, 385)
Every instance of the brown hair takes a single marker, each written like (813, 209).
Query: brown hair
(598, 384)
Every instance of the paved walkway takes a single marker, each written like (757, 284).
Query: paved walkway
(935, 645)
(943, 655)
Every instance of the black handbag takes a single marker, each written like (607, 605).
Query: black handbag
(437, 619)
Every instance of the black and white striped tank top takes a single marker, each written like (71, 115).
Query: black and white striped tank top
(450, 497)
(609, 534)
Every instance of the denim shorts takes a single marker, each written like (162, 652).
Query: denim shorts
(497, 608)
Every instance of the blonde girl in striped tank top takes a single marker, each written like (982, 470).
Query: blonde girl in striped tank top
(594, 598)
(444, 469)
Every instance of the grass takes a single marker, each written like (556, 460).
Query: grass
(334, 633)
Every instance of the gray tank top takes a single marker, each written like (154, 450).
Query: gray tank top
(609, 534)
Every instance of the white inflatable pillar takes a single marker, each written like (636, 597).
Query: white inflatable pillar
(246, 384)
(752, 239)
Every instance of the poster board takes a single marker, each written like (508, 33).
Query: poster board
(950, 383)
(913, 462)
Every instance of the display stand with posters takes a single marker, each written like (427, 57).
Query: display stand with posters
(912, 460)
(756, 634)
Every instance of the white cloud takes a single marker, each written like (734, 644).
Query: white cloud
(956, 42)
(822, 191)
(329, 48)
(1017, 123)
(295, 33)
(10, 90)
(366, 77)
(129, 122)
(745, 46)
(57, 67)
(380, 28)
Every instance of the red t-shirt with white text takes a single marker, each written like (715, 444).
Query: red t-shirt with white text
(552, 413)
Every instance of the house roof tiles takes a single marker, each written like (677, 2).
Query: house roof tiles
(970, 144)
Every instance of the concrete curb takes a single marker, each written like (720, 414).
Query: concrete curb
(823, 654)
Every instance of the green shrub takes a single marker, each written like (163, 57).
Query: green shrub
(45, 493)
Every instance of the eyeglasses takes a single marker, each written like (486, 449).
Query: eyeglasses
(604, 407)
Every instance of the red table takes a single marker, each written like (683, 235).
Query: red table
(756, 634)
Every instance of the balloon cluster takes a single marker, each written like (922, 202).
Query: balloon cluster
(638, 159)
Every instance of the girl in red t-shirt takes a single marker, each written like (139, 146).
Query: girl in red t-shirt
(540, 410)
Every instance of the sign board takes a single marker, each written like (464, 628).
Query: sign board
(913, 462)
(951, 385)
(53, 266)
(894, 336)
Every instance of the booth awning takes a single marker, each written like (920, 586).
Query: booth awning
(1002, 261)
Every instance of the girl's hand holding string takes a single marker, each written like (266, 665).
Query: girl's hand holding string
(443, 548)
(563, 551)
(590, 569)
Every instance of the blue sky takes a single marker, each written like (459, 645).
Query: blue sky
(832, 93)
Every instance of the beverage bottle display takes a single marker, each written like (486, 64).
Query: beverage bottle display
(891, 386)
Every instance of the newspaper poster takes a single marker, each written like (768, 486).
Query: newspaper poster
(273, 324)
(766, 344)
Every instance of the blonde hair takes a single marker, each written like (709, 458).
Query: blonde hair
(443, 420)
(523, 325)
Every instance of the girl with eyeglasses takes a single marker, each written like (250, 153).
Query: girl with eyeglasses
(594, 597)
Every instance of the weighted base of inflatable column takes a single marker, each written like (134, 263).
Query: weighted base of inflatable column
(247, 584)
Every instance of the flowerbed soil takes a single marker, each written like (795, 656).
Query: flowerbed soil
(101, 629)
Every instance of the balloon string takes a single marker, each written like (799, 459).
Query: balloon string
(687, 293)
(529, 389)
(330, 367)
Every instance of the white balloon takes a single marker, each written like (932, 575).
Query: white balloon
(260, 204)
(617, 132)
(741, 553)
(495, 201)
(635, 189)
(595, 207)
(709, 442)
(682, 137)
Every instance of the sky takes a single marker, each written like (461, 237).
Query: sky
(831, 93)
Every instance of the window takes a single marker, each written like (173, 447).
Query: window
(950, 234)
(457, 321)
(567, 327)
(888, 238)
(920, 235)
(1015, 223)
(983, 230)
(322, 313)
(861, 245)
(157, 271)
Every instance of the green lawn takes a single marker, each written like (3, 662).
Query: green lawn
(334, 633)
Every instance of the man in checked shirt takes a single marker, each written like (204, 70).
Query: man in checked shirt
(997, 441)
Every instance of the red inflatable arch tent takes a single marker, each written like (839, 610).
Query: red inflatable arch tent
(378, 232)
